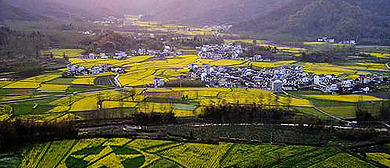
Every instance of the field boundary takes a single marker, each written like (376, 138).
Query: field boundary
(107, 154)
(68, 153)
(181, 165)
(226, 154)
(318, 109)
(47, 147)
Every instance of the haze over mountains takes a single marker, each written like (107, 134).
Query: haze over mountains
(343, 19)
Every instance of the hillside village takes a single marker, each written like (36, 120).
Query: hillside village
(277, 79)
(166, 51)
(194, 84)
(282, 78)
(76, 70)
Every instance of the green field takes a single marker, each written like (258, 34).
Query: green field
(345, 109)
(122, 152)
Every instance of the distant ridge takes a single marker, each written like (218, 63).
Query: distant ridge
(9, 12)
(361, 20)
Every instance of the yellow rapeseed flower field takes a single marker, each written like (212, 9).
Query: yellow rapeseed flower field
(69, 52)
(346, 98)
(84, 81)
(373, 66)
(32, 82)
(59, 109)
(42, 78)
(380, 55)
(382, 158)
(202, 89)
(117, 104)
(69, 117)
(183, 113)
(85, 104)
(226, 62)
(327, 69)
(291, 49)
(22, 85)
(155, 107)
(4, 83)
(7, 98)
(314, 43)
(272, 64)
(195, 94)
(53, 87)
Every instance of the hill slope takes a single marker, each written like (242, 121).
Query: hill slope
(9, 12)
(338, 19)
(362, 20)
(56, 9)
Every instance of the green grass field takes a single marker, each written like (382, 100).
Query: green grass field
(345, 109)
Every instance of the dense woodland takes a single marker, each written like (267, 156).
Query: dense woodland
(245, 114)
(19, 51)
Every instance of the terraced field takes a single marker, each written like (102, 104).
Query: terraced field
(184, 102)
(126, 153)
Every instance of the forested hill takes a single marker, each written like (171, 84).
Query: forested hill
(9, 12)
(362, 20)
(58, 9)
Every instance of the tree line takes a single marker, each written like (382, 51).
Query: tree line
(19, 51)
(244, 113)
(13, 133)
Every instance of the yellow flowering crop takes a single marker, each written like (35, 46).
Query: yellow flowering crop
(22, 85)
(272, 64)
(346, 98)
(60, 109)
(85, 104)
(117, 104)
(53, 87)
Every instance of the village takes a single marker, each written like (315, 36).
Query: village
(277, 79)
(281, 78)
(222, 51)
(76, 70)
(166, 51)
(235, 52)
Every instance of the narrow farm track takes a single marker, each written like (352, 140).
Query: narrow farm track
(226, 153)
(47, 147)
(319, 110)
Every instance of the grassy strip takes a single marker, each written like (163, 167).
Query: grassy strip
(68, 153)
(309, 158)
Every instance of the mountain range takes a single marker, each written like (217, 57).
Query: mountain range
(363, 20)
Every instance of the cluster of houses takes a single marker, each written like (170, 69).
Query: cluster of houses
(117, 56)
(330, 40)
(221, 51)
(221, 28)
(232, 52)
(166, 51)
(75, 70)
(108, 20)
(280, 78)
